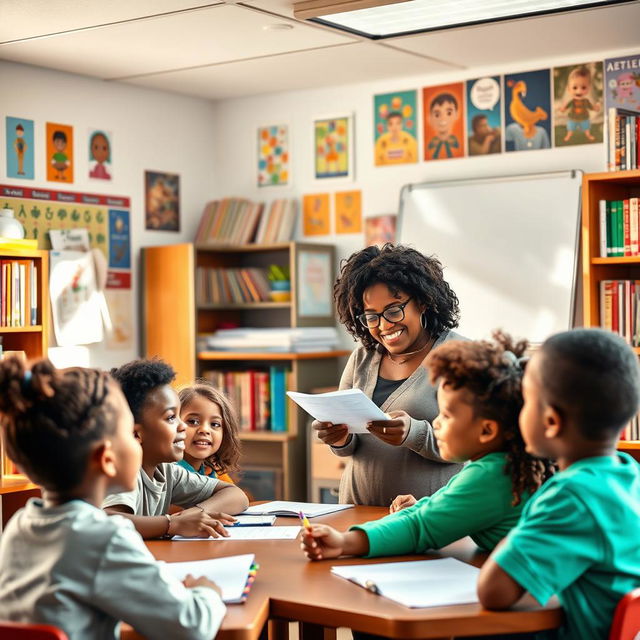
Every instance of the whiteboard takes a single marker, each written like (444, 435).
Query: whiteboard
(508, 245)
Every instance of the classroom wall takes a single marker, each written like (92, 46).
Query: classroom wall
(150, 129)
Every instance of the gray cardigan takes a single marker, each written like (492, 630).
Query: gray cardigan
(378, 472)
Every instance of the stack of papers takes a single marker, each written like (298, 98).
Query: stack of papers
(286, 508)
(284, 339)
(424, 583)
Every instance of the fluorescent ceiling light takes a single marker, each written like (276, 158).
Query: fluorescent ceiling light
(417, 16)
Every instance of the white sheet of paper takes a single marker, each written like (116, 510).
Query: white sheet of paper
(423, 583)
(288, 508)
(230, 573)
(253, 521)
(349, 406)
(251, 533)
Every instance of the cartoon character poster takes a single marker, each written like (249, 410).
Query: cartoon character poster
(484, 116)
(395, 128)
(443, 112)
(162, 201)
(577, 104)
(100, 154)
(20, 155)
(622, 80)
(348, 211)
(527, 110)
(273, 155)
(59, 152)
(378, 230)
(315, 214)
(333, 147)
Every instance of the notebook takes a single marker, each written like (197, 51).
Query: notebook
(234, 574)
(286, 508)
(253, 521)
(418, 584)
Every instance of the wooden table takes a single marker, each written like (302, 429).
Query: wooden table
(290, 588)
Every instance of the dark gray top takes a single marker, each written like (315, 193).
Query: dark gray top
(384, 388)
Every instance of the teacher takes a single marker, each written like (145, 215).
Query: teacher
(396, 302)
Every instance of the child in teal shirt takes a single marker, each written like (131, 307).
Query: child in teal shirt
(578, 537)
(479, 399)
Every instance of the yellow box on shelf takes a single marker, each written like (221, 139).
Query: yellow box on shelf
(13, 243)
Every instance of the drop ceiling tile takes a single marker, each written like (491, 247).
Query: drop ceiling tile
(207, 36)
(31, 18)
(574, 34)
(352, 63)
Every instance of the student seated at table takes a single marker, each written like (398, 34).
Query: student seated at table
(479, 399)
(64, 561)
(578, 536)
(161, 433)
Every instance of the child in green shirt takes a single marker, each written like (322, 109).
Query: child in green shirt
(479, 399)
(578, 537)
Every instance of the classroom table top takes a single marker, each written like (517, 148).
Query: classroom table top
(289, 587)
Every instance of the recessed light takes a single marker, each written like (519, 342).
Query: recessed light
(278, 26)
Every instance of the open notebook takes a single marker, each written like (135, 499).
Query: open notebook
(286, 508)
(234, 574)
(422, 583)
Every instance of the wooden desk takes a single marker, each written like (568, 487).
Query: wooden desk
(290, 588)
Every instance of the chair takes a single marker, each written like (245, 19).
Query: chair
(28, 631)
(626, 620)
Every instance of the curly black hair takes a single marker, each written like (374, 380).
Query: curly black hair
(401, 268)
(51, 418)
(139, 378)
(492, 372)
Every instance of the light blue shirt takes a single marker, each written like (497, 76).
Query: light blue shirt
(514, 133)
(75, 567)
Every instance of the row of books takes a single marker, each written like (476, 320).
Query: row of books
(272, 339)
(217, 286)
(623, 133)
(619, 227)
(620, 308)
(19, 293)
(237, 221)
(258, 396)
(632, 430)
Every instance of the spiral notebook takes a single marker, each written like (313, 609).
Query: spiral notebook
(233, 574)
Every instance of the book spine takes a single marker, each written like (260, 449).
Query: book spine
(619, 229)
(626, 227)
(633, 223)
(603, 227)
(611, 139)
(627, 142)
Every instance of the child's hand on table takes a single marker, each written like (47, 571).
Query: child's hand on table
(402, 502)
(195, 523)
(321, 541)
(190, 582)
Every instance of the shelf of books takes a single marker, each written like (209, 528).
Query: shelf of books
(611, 263)
(233, 333)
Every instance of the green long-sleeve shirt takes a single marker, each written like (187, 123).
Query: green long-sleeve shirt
(476, 502)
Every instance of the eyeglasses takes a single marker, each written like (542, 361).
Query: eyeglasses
(391, 314)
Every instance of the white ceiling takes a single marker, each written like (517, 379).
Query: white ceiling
(221, 49)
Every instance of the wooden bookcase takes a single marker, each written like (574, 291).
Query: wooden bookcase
(33, 340)
(614, 185)
(173, 319)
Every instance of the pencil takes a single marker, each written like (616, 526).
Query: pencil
(305, 521)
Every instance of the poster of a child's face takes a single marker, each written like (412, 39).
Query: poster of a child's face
(577, 104)
(162, 201)
(443, 111)
(484, 119)
(100, 155)
(395, 128)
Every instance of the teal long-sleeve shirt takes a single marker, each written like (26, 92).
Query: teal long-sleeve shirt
(476, 502)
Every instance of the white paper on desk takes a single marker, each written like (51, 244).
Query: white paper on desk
(349, 406)
(251, 533)
(423, 583)
(230, 574)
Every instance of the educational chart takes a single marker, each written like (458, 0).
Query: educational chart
(107, 220)
(484, 119)
(395, 128)
(20, 148)
(273, 155)
(443, 110)
(333, 153)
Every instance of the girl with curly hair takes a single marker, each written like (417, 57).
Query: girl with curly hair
(480, 398)
(396, 302)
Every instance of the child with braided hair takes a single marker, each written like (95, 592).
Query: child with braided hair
(64, 561)
(479, 399)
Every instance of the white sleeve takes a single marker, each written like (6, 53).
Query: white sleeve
(128, 499)
(131, 586)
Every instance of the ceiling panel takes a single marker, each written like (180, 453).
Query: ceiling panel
(360, 62)
(206, 36)
(577, 33)
(30, 18)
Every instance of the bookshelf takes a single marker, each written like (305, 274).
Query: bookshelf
(173, 318)
(33, 340)
(615, 185)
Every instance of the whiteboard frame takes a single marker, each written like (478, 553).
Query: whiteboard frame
(571, 173)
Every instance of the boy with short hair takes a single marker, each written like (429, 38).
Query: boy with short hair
(443, 114)
(578, 536)
(160, 483)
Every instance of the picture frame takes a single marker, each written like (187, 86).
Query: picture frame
(162, 201)
(273, 159)
(315, 273)
(333, 148)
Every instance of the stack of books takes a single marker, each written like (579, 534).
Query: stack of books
(19, 297)
(619, 223)
(278, 339)
(632, 430)
(623, 131)
(238, 221)
(620, 308)
(220, 286)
